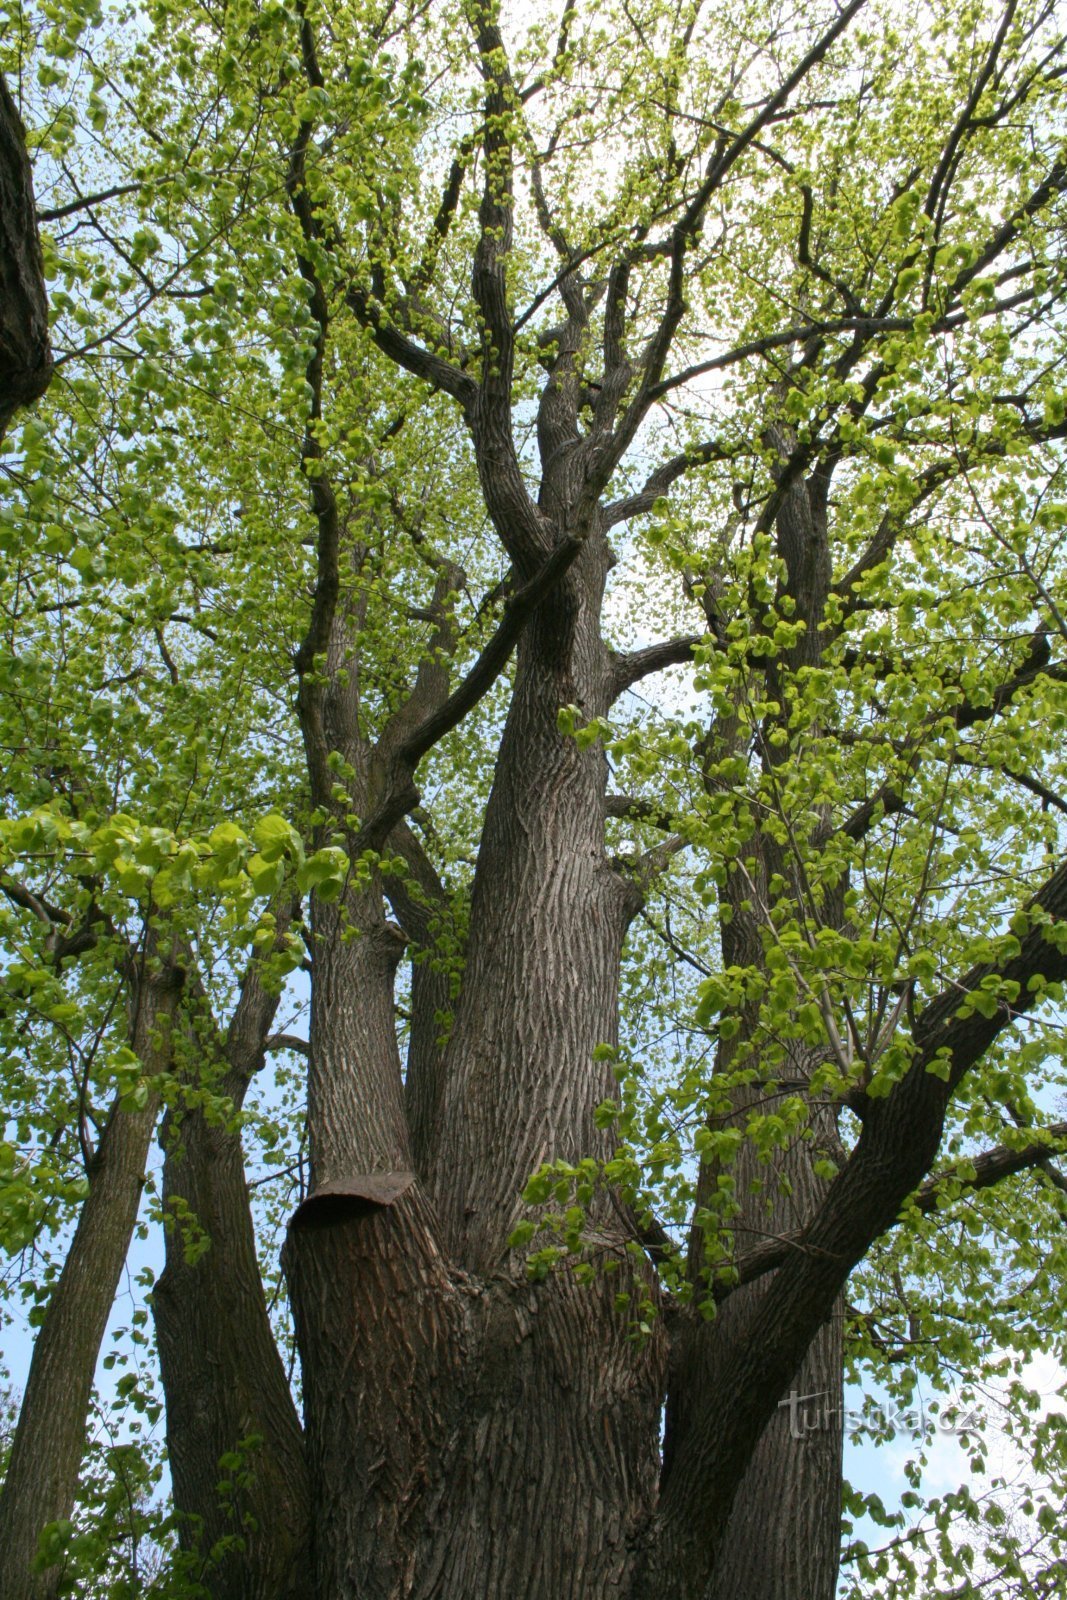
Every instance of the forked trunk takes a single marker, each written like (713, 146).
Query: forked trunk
(471, 1433)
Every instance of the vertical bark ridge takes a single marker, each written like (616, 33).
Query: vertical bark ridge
(783, 1538)
(548, 917)
(382, 1331)
(424, 912)
(438, 1403)
(545, 1490)
(441, 1389)
(356, 1111)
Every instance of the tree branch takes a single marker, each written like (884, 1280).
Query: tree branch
(682, 237)
(639, 810)
(659, 481)
(25, 353)
(287, 1041)
(989, 1168)
(629, 668)
(402, 795)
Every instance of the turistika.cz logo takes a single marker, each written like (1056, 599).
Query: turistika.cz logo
(814, 1413)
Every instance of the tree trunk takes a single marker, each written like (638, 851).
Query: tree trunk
(226, 1388)
(50, 1438)
(783, 1539)
(25, 355)
(471, 1433)
(775, 1534)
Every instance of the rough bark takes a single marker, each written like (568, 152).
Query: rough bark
(784, 1534)
(895, 1151)
(25, 354)
(548, 918)
(225, 1385)
(422, 909)
(782, 1540)
(433, 1372)
(50, 1438)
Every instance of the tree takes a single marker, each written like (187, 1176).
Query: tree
(398, 355)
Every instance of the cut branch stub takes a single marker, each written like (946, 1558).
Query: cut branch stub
(352, 1196)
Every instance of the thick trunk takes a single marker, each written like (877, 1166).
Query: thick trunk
(548, 919)
(778, 1504)
(782, 1540)
(50, 1438)
(225, 1385)
(470, 1433)
(25, 355)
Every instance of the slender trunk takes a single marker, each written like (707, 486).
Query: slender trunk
(49, 1441)
(225, 1385)
(25, 355)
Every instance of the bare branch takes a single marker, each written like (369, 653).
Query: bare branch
(630, 668)
(685, 233)
(287, 1041)
(83, 202)
(659, 481)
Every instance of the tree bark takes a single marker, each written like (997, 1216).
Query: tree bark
(25, 354)
(443, 1391)
(783, 1538)
(50, 1438)
(225, 1386)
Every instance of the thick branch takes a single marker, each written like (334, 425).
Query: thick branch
(414, 358)
(630, 668)
(898, 1143)
(638, 810)
(524, 532)
(25, 353)
(287, 1041)
(402, 795)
